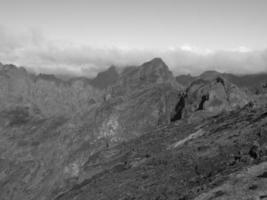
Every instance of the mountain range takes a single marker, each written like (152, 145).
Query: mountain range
(140, 133)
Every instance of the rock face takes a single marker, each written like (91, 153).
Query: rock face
(214, 96)
(207, 97)
(143, 97)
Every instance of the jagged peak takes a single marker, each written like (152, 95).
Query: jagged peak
(156, 65)
(156, 62)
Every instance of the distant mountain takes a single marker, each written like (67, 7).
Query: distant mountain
(185, 80)
(209, 75)
(50, 95)
(254, 83)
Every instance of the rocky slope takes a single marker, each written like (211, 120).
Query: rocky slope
(222, 158)
(132, 137)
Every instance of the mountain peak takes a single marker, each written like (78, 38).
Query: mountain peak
(156, 62)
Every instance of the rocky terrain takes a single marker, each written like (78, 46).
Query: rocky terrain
(221, 158)
(137, 134)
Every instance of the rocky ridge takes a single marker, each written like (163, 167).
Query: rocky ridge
(45, 94)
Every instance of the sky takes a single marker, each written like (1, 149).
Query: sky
(87, 36)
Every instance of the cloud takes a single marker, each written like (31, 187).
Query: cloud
(31, 49)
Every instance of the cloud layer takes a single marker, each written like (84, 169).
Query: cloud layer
(31, 49)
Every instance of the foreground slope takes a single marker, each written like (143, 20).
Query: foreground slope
(223, 157)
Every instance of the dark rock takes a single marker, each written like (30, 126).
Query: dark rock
(179, 109)
(255, 151)
(264, 175)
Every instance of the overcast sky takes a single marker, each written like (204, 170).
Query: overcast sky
(86, 36)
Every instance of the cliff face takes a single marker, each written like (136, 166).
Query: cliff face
(143, 97)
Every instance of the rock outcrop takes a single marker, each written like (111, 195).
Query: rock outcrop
(215, 96)
(210, 96)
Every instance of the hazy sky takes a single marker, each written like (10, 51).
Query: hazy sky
(134, 28)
